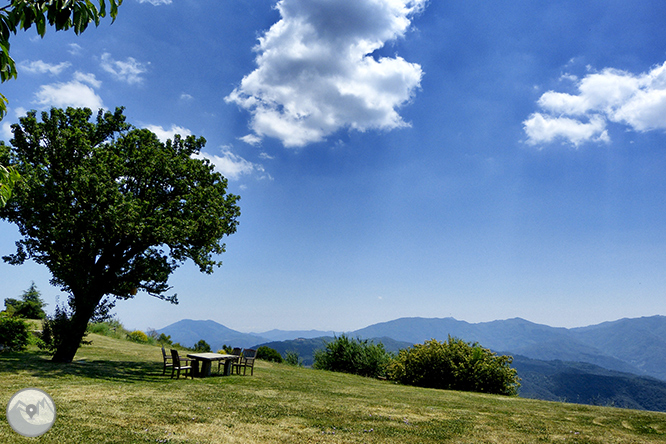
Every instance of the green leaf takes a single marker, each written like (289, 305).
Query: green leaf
(3, 106)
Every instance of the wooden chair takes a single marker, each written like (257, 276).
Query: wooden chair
(237, 352)
(180, 364)
(246, 361)
(167, 361)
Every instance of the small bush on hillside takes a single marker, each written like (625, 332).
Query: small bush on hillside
(292, 358)
(455, 365)
(14, 333)
(30, 306)
(138, 336)
(355, 356)
(202, 346)
(164, 339)
(268, 354)
(112, 328)
(55, 328)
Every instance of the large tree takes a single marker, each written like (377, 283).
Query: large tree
(110, 209)
(60, 14)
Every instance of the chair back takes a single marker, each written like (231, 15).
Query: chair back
(175, 358)
(249, 354)
(164, 355)
(236, 351)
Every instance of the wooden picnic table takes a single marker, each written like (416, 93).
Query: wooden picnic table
(206, 360)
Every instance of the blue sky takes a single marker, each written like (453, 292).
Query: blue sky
(480, 160)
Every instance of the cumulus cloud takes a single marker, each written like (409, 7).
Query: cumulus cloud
(233, 166)
(79, 93)
(41, 67)
(316, 70)
(635, 100)
(128, 71)
(164, 134)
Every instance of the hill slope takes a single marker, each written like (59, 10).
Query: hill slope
(115, 392)
(585, 383)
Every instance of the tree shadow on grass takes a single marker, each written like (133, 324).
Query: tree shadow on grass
(38, 364)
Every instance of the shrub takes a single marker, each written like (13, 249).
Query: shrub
(202, 347)
(268, 354)
(292, 358)
(355, 356)
(455, 365)
(30, 306)
(138, 336)
(164, 339)
(14, 333)
(55, 328)
(111, 328)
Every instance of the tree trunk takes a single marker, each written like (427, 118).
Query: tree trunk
(76, 329)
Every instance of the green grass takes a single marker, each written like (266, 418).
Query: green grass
(115, 392)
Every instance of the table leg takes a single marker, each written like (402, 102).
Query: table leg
(195, 368)
(227, 367)
(205, 368)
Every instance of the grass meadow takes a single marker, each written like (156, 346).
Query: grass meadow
(114, 392)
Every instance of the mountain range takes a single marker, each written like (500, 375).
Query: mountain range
(635, 345)
(621, 363)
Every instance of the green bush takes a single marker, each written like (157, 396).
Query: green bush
(202, 347)
(55, 328)
(111, 328)
(268, 354)
(455, 365)
(292, 358)
(30, 306)
(355, 356)
(14, 333)
(164, 339)
(138, 336)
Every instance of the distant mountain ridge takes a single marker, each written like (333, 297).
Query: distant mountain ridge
(584, 383)
(635, 345)
(188, 332)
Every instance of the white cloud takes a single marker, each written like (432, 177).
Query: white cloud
(316, 73)
(6, 131)
(164, 134)
(545, 129)
(41, 67)
(128, 71)
(156, 2)
(233, 166)
(77, 93)
(75, 49)
(89, 78)
(251, 139)
(635, 100)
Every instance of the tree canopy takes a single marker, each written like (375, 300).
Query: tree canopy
(111, 210)
(61, 14)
